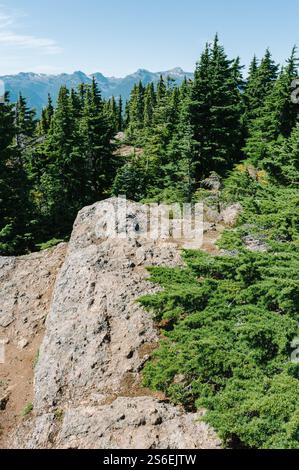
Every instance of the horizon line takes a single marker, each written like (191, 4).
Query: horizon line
(95, 73)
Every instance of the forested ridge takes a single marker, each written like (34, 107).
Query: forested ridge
(53, 166)
(229, 321)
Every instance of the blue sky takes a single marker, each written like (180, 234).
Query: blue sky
(116, 37)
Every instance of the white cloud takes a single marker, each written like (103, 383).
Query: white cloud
(5, 20)
(47, 46)
(9, 37)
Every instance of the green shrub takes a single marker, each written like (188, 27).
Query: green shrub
(233, 320)
(49, 244)
(27, 409)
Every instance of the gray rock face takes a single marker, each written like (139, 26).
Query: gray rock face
(253, 243)
(139, 423)
(26, 289)
(88, 391)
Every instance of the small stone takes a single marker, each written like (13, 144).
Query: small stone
(23, 343)
(6, 320)
(3, 402)
(130, 354)
(142, 422)
(158, 421)
(179, 379)
(231, 214)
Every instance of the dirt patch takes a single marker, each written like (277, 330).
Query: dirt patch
(27, 284)
(210, 239)
(17, 384)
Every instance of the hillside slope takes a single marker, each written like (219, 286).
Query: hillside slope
(88, 391)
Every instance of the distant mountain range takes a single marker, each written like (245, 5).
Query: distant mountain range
(35, 87)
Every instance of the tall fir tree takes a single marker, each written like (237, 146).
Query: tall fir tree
(179, 172)
(120, 118)
(76, 107)
(111, 108)
(25, 122)
(276, 118)
(61, 169)
(149, 104)
(43, 125)
(260, 82)
(161, 90)
(97, 132)
(136, 114)
(216, 111)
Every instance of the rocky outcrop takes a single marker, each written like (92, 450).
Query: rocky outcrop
(26, 290)
(88, 391)
(254, 243)
(127, 423)
(229, 216)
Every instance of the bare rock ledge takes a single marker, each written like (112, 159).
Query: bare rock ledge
(87, 385)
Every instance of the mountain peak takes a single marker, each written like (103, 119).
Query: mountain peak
(79, 73)
(142, 71)
(177, 70)
(36, 87)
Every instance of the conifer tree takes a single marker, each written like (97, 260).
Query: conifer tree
(282, 162)
(154, 132)
(76, 107)
(96, 132)
(81, 92)
(185, 133)
(161, 158)
(132, 180)
(60, 166)
(24, 122)
(161, 90)
(15, 208)
(127, 115)
(180, 169)
(136, 113)
(158, 135)
(185, 88)
(237, 74)
(216, 111)
(277, 117)
(112, 110)
(149, 105)
(120, 123)
(46, 117)
(259, 84)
